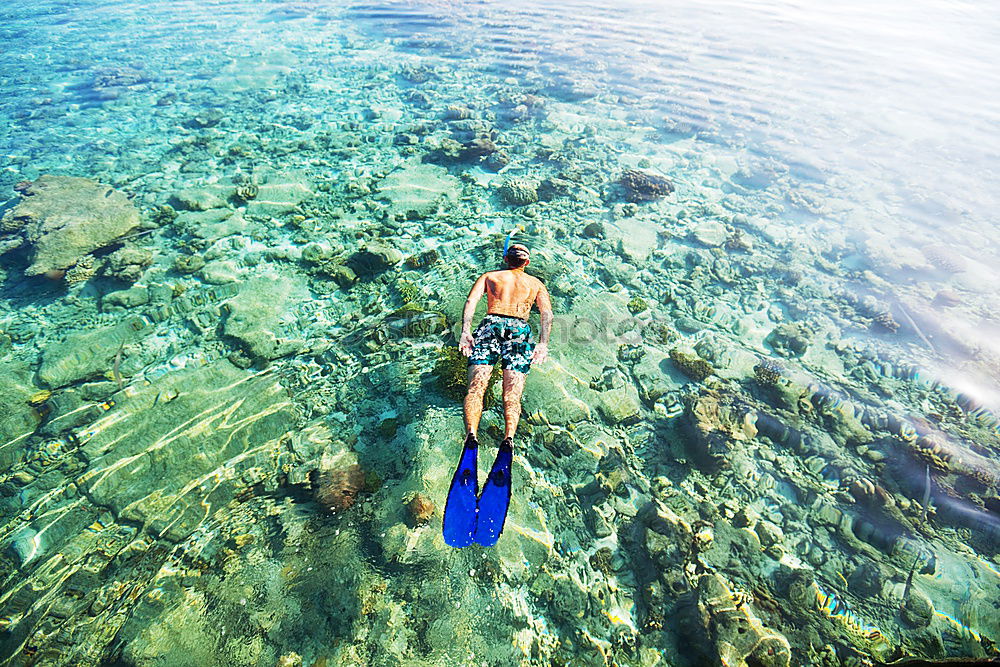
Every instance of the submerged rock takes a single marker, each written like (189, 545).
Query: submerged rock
(866, 580)
(219, 272)
(254, 317)
(338, 486)
(918, 610)
(947, 298)
(317, 253)
(713, 425)
(738, 637)
(413, 321)
(64, 218)
(418, 191)
(188, 263)
(595, 230)
(419, 510)
(197, 199)
(210, 225)
(127, 298)
(128, 263)
(643, 186)
(19, 417)
(458, 112)
(281, 194)
(710, 233)
(619, 405)
(374, 259)
(343, 275)
(214, 417)
(87, 353)
(667, 537)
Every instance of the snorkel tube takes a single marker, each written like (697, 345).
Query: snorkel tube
(506, 244)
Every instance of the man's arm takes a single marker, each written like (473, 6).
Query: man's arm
(545, 310)
(466, 342)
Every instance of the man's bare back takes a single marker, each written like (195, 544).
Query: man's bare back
(510, 293)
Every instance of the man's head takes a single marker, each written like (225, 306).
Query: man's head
(517, 256)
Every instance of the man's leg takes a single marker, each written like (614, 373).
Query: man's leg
(513, 385)
(479, 378)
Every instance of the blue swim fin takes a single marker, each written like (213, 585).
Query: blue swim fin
(460, 508)
(495, 499)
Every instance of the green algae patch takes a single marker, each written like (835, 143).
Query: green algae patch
(451, 371)
(452, 375)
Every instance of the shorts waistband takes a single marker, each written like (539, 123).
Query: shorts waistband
(508, 317)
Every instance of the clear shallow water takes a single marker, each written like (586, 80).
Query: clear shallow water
(832, 213)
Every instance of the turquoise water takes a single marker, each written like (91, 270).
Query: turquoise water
(768, 432)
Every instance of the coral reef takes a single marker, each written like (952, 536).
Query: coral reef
(422, 260)
(768, 372)
(518, 191)
(691, 365)
(82, 271)
(637, 305)
(789, 339)
(247, 192)
(884, 321)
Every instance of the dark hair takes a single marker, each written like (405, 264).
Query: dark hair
(516, 257)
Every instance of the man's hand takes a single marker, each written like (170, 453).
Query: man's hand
(540, 354)
(465, 343)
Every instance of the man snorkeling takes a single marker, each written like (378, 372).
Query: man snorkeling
(505, 336)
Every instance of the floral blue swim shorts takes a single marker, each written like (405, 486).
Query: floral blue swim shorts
(505, 339)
